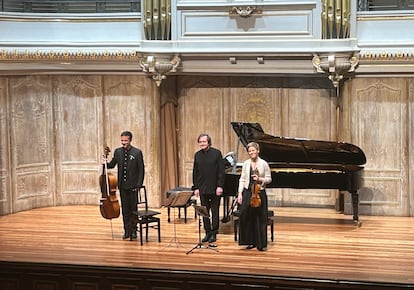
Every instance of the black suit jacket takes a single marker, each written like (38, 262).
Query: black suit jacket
(208, 171)
(135, 169)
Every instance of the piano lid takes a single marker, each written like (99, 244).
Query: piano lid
(293, 150)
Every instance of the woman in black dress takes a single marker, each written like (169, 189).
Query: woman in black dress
(253, 218)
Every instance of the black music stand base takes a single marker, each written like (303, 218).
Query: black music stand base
(201, 246)
(201, 211)
(174, 241)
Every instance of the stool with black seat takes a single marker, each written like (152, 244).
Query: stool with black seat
(144, 218)
(270, 222)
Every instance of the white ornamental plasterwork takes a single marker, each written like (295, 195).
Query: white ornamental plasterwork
(336, 66)
(244, 11)
(159, 66)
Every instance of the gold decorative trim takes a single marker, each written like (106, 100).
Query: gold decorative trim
(108, 17)
(398, 56)
(51, 55)
(384, 18)
(244, 11)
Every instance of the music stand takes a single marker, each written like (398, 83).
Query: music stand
(176, 199)
(202, 212)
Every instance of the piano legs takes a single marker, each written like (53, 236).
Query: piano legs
(355, 204)
(227, 210)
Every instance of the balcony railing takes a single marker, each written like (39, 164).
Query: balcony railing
(71, 6)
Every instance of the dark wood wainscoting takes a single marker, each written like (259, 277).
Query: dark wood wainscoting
(74, 248)
(25, 276)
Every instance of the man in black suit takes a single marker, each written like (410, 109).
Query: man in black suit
(208, 182)
(131, 172)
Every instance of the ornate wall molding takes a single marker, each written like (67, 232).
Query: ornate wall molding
(67, 55)
(336, 66)
(244, 11)
(387, 56)
(159, 66)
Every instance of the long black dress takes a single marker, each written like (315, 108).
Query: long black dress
(253, 221)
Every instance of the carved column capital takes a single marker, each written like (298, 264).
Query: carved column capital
(159, 66)
(335, 65)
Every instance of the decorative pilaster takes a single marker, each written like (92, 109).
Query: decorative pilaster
(159, 66)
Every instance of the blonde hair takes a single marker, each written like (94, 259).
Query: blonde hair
(254, 145)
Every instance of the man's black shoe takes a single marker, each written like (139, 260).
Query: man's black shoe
(206, 238)
(125, 236)
(212, 238)
(134, 236)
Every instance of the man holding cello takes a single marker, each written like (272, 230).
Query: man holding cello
(131, 171)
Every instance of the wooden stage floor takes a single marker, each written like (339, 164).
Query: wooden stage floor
(310, 244)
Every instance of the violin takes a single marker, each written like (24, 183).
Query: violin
(109, 205)
(255, 200)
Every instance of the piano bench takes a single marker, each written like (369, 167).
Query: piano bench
(270, 222)
(190, 203)
(179, 197)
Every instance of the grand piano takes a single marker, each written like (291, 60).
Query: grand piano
(301, 163)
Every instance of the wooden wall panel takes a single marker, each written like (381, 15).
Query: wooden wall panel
(45, 285)
(310, 114)
(259, 105)
(127, 106)
(32, 142)
(5, 196)
(378, 110)
(410, 193)
(54, 129)
(131, 103)
(296, 112)
(202, 111)
(78, 133)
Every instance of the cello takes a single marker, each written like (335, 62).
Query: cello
(109, 205)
